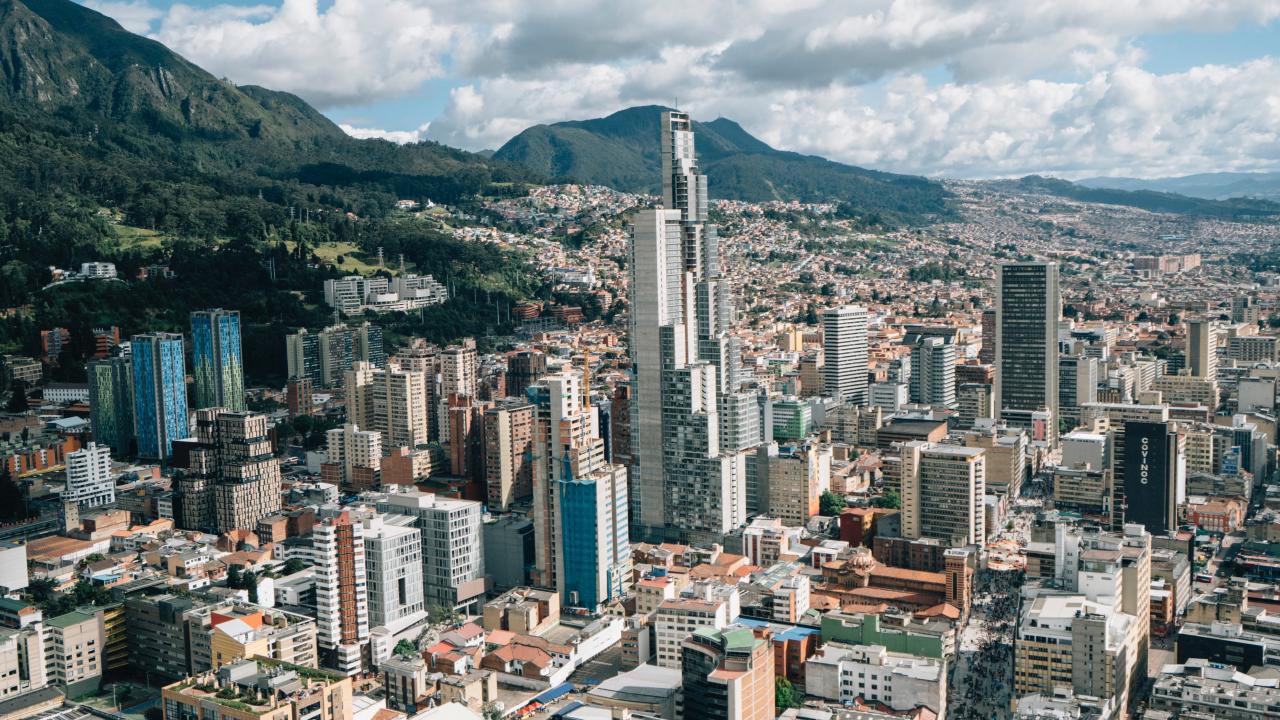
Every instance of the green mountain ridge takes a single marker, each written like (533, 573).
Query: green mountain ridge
(622, 151)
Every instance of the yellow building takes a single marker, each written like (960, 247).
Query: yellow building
(259, 690)
(236, 632)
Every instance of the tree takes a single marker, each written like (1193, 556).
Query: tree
(17, 397)
(13, 503)
(890, 499)
(153, 713)
(294, 565)
(406, 648)
(785, 695)
(233, 576)
(830, 503)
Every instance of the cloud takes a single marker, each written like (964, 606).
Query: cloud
(400, 137)
(354, 52)
(1026, 85)
(135, 15)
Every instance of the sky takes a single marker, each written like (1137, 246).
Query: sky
(954, 88)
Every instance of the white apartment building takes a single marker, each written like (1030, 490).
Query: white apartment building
(452, 546)
(90, 482)
(842, 673)
(355, 294)
(21, 661)
(393, 570)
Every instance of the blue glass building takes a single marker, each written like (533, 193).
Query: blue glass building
(595, 548)
(216, 359)
(159, 393)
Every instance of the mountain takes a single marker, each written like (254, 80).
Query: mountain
(622, 151)
(1161, 202)
(1210, 186)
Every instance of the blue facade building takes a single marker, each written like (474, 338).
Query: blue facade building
(159, 393)
(216, 359)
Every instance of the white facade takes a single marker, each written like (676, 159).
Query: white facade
(349, 447)
(90, 482)
(452, 545)
(390, 401)
(393, 569)
(842, 673)
(98, 270)
(341, 634)
(355, 294)
(678, 619)
(844, 345)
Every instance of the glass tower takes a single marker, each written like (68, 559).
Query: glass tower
(111, 403)
(217, 362)
(159, 393)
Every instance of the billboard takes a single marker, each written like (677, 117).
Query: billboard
(1148, 479)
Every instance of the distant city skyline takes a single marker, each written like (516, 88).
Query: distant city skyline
(938, 88)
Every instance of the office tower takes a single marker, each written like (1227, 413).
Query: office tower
(727, 675)
(452, 546)
(933, 372)
(159, 393)
(581, 528)
(111, 403)
(466, 437)
(325, 356)
(1202, 348)
(1077, 385)
(942, 492)
(1244, 309)
(90, 482)
(1006, 463)
(1154, 475)
(1028, 308)
(353, 457)
(230, 477)
(342, 598)
(299, 396)
(844, 347)
(508, 451)
(987, 353)
(393, 571)
(523, 369)
(683, 360)
(390, 401)
(216, 360)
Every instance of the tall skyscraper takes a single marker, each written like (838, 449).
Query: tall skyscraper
(1077, 384)
(1202, 348)
(159, 393)
(844, 344)
(111, 403)
(1154, 475)
(89, 479)
(216, 359)
(687, 485)
(459, 371)
(933, 372)
(342, 596)
(324, 356)
(1028, 308)
(508, 449)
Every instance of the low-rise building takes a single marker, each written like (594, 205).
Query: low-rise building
(844, 673)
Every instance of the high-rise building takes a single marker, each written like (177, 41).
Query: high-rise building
(353, 457)
(231, 478)
(1202, 348)
(390, 401)
(452, 546)
(393, 571)
(459, 373)
(323, 357)
(943, 487)
(684, 361)
(508, 451)
(299, 394)
(727, 675)
(111, 403)
(796, 477)
(581, 528)
(342, 594)
(987, 353)
(1154, 475)
(216, 360)
(159, 393)
(974, 401)
(844, 347)
(523, 369)
(90, 482)
(1077, 385)
(933, 373)
(1028, 308)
